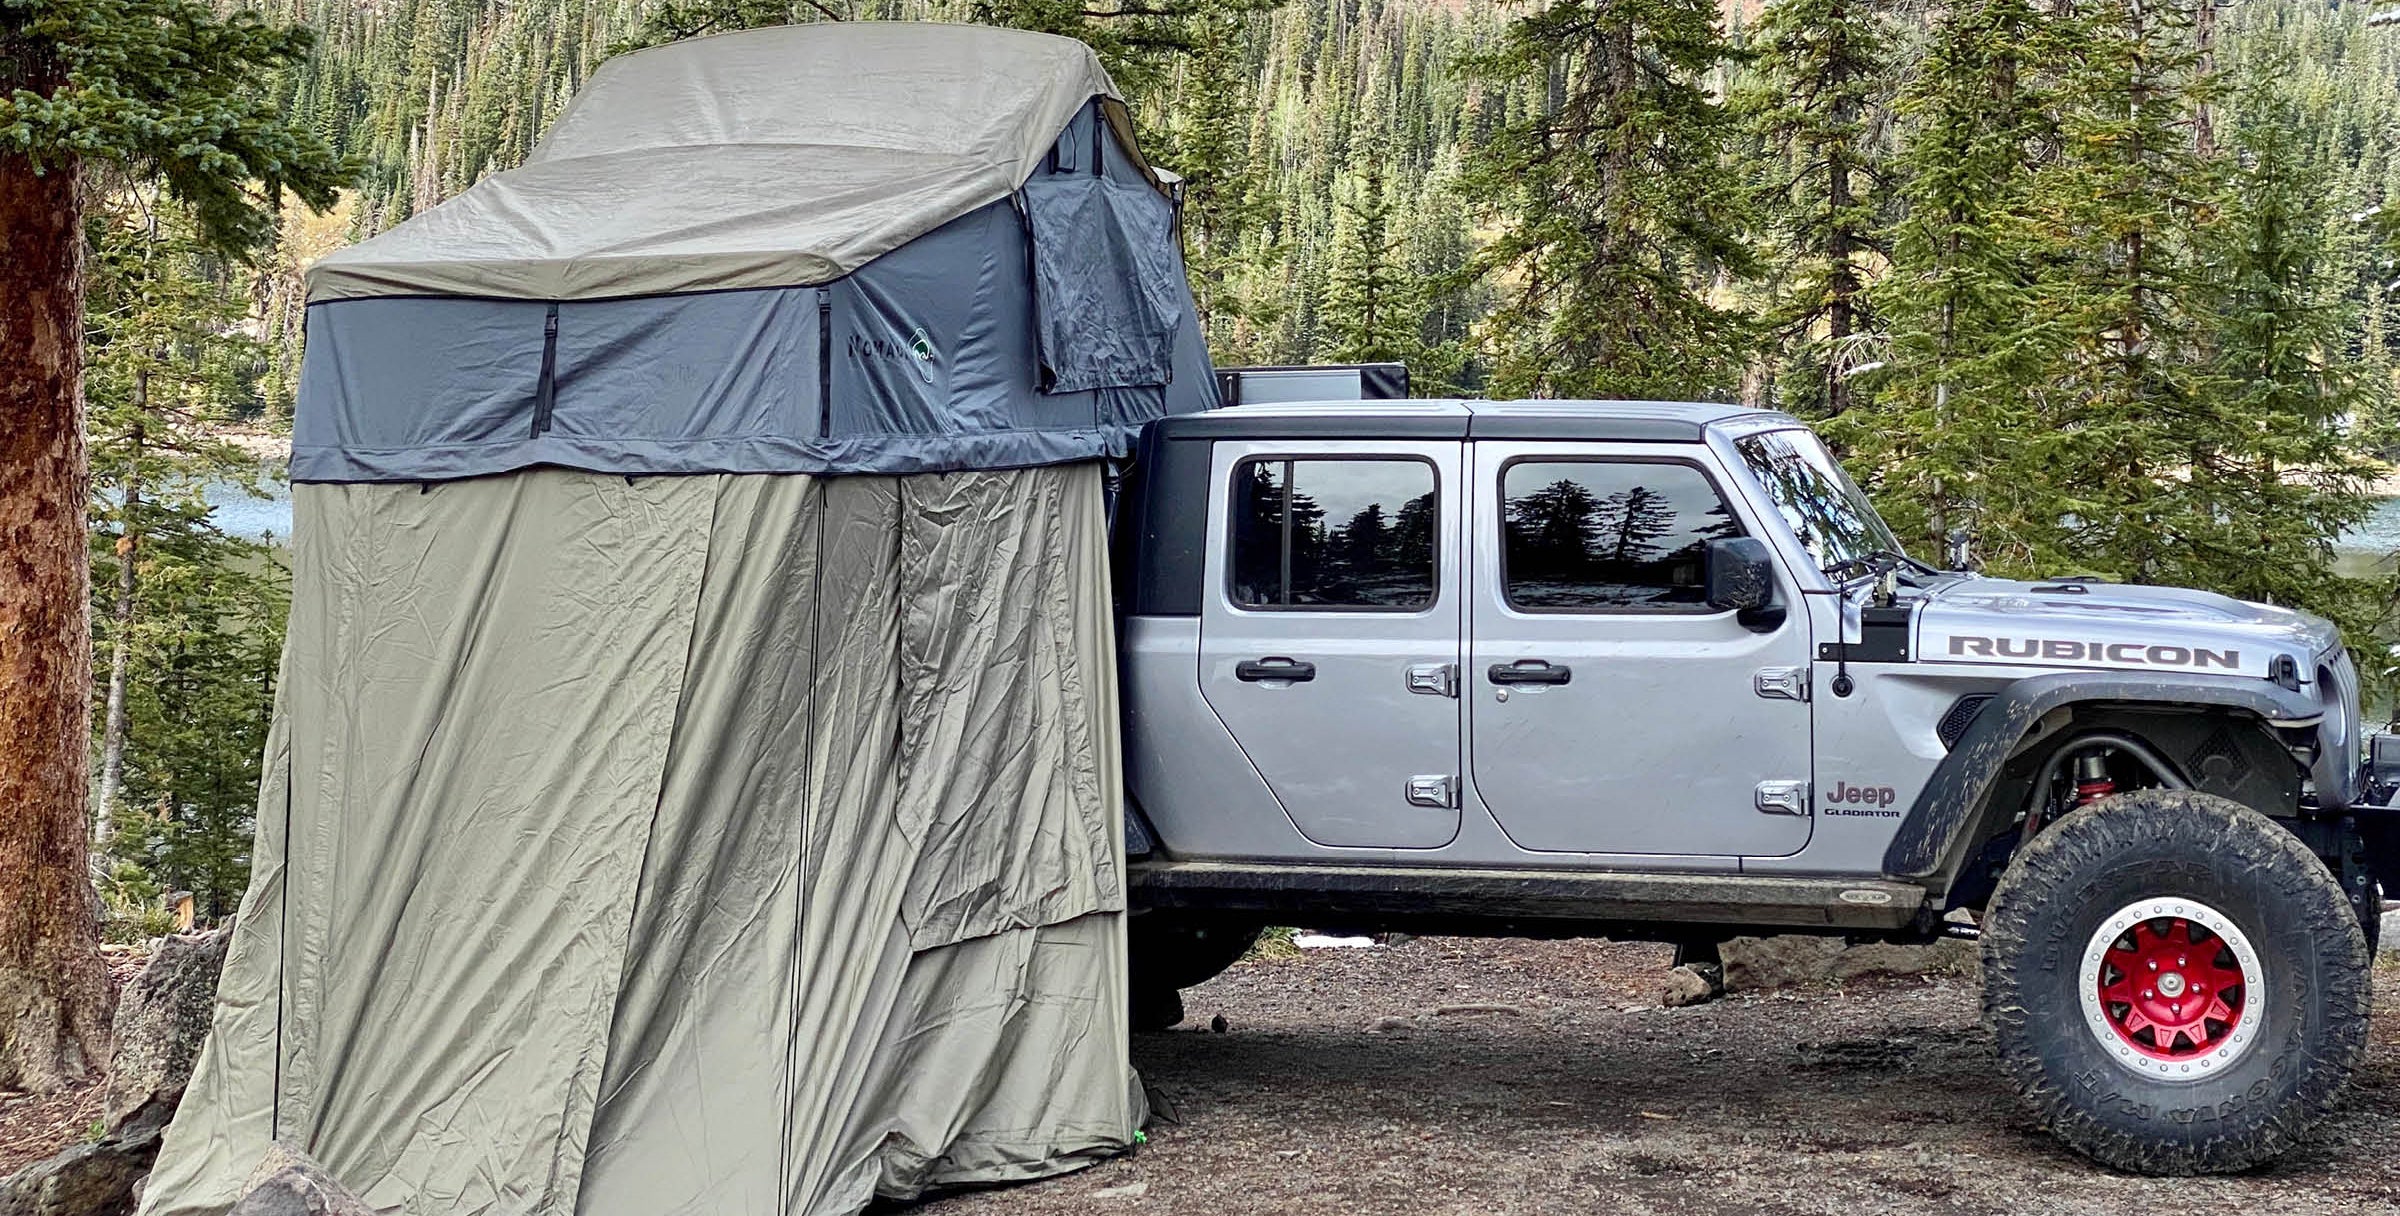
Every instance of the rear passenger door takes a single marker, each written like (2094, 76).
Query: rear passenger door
(1330, 631)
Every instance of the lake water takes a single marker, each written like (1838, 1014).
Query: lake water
(237, 511)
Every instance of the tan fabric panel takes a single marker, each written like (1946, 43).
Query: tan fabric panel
(742, 845)
(480, 681)
(1008, 681)
(689, 1118)
(764, 158)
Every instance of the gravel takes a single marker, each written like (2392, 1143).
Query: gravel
(1465, 1076)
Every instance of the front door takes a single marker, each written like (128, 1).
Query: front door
(1611, 709)
(1329, 635)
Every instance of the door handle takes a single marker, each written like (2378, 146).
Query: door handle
(1530, 671)
(1274, 667)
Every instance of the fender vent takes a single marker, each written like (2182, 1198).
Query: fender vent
(1961, 716)
(2219, 759)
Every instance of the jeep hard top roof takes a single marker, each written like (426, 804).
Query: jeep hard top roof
(1621, 421)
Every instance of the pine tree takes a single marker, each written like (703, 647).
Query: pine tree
(2125, 204)
(1943, 444)
(1818, 70)
(2274, 473)
(163, 89)
(1370, 306)
(1618, 222)
(1210, 147)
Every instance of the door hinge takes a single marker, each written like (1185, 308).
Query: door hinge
(1781, 683)
(1783, 797)
(1436, 790)
(1433, 679)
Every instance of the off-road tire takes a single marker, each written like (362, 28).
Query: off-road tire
(1175, 952)
(1154, 1009)
(1168, 953)
(2072, 879)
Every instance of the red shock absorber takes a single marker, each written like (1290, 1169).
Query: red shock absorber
(2092, 782)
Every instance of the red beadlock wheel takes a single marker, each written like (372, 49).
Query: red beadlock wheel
(2166, 986)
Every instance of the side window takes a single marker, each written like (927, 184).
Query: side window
(1334, 534)
(1608, 536)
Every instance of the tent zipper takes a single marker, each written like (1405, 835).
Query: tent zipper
(825, 362)
(545, 395)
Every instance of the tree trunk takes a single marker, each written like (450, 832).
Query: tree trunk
(120, 619)
(54, 994)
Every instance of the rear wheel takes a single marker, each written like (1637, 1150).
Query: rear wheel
(2176, 985)
(1169, 953)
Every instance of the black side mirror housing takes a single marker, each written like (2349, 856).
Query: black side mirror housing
(1741, 577)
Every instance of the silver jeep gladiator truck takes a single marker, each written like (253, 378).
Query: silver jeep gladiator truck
(1658, 671)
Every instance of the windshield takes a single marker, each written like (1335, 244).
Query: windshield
(1825, 508)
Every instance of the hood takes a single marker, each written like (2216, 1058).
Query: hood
(2118, 626)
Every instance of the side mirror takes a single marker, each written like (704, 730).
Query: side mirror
(1741, 576)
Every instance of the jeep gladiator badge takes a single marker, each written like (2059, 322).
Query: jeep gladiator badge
(2070, 650)
(1864, 801)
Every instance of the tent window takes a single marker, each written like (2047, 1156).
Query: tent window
(1107, 287)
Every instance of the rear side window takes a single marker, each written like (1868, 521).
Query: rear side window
(1608, 536)
(1354, 534)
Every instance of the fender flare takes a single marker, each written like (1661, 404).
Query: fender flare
(1939, 829)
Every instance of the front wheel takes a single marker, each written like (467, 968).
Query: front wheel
(2176, 985)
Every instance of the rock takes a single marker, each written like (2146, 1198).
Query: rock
(288, 1183)
(1761, 964)
(2391, 932)
(1691, 984)
(162, 1019)
(1131, 1190)
(99, 1178)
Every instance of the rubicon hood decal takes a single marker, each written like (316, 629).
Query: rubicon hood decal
(2113, 625)
(2072, 650)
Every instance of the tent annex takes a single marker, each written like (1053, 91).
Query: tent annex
(694, 781)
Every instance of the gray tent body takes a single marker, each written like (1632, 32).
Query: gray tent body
(694, 780)
(1040, 328)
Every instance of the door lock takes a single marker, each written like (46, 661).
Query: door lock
(1783, 797)
(1436, 790)
(1433, 679)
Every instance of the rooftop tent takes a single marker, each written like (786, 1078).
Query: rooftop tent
(694, 779)
(873, 247)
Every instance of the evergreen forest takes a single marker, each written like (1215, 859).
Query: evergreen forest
(2110, 286)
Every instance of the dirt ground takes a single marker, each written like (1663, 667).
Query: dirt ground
(1462, 1076)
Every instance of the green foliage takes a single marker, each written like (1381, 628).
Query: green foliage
(1371, 311)
(1818, 76)
(167, 89)
(202, 623)
(133, 906)
(1617, 219)
(2281, 417)
(1951, 406)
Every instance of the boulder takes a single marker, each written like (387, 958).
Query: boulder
(288, 1183)
(2390, 943)
(162, 1019)
(1692, 984)
(98, 1178)
(1760, 964)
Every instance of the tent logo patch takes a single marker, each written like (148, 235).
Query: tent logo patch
(917, 353)
(922, 347)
